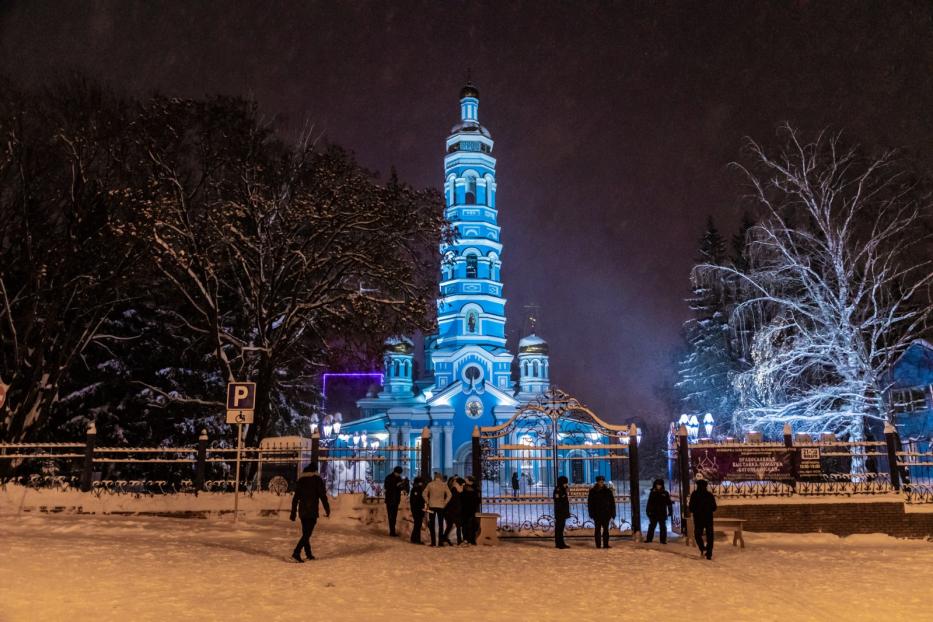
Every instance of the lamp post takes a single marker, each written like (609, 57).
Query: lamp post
(693, 427)
(708, 424)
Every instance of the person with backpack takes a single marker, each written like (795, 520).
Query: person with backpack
(659, 507)
(601, 504)
(702, 505)
(561, 511)
(416, 501)
(309, 493)
(436, 497)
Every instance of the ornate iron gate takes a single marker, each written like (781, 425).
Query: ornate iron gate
(551, 436)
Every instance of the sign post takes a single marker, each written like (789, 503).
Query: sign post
(241, 405)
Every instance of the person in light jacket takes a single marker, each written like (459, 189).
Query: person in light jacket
(436, 498)
(309, 493)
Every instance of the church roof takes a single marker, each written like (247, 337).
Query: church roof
(469, 90)
(532, 344)
(400, 345)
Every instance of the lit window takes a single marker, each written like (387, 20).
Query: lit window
(471, 266)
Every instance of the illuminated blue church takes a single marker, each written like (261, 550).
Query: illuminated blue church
(467, 379)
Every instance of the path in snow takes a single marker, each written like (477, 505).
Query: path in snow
(74, 568)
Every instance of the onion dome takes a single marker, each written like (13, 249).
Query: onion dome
(532, 344)
(399, 345)
(469, 90)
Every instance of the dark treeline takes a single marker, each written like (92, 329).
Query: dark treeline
(153, 249)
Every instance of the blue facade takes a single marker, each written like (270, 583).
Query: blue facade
(910, 399)
(468, 369)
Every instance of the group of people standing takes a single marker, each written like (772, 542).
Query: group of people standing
(450, 506)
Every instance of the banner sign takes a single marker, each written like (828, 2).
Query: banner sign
(737, 464)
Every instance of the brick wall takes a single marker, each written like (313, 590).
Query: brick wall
(842, 519)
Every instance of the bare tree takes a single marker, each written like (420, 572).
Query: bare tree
(62, 263)
(833, 284)
(280, 252)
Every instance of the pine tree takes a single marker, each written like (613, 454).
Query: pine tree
(706, 368)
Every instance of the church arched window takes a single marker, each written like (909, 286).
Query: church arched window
(470, 191)
(525, 368)
(406, 369)
(395, 368)
(471, 266)
(534, 367)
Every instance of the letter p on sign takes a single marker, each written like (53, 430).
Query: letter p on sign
(241, 396)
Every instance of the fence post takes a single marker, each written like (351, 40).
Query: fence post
(890, 437)
(426, 454)
(634, 491)
(477, 463)
(794, 462)
(315, 450)
(88, 472)
(683, 466)
(201, 464)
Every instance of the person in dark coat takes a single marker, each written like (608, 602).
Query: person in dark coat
(452, 513)
(702, 505)
(601, 504)
(514, 485)
(561, 511)
(658, 509)
(394, 485)
(469, 506)
(416, 501)
(309, 493)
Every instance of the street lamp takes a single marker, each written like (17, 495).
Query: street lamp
(693, 426)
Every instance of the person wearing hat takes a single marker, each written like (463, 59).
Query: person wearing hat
(702, 505)
(601, 504)
(659, 507)
(393, 487)
(561, 511)
(416, 501)
(469, 506)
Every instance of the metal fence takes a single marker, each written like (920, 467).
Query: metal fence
(273, 466)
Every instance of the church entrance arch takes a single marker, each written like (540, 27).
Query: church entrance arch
(463, 459)
(551, 436)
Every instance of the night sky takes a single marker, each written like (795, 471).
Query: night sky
(614, 122)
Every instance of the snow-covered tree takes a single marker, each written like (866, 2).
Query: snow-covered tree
(830, 290)
(63, 263)
(279, 253)
(705, 382)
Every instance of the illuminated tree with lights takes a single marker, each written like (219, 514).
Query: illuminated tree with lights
(834, 284)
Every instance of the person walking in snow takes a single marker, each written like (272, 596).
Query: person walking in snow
(514, 485)
(309, 493)
(436, 497)
(394, 485)
(561, 511)
(452, 511)
(469, 506)
(601, 504)
(659, 507)
(702, 505)
(416, 501)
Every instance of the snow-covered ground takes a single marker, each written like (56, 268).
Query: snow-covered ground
(73, 567)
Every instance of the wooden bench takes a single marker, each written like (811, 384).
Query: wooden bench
(725, 524)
